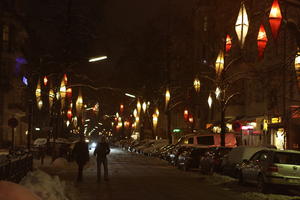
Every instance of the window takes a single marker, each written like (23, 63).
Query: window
(206, 140)
(191, 141)
(5, 35)
(287, 158)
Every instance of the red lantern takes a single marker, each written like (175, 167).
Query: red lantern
(45, 81)
(69, 92)
(191, 119)
(69, 114)
(275, 18)
(121, 108)
(65, 79)
(228, 43)
(185, 114)
(261, 40)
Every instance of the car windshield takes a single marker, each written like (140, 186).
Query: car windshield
(287, 158)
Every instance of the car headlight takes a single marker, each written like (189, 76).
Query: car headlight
(93, 145)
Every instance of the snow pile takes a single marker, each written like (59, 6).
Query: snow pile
(260, 196)
(13, 191)
(45, 186)
(60, 163)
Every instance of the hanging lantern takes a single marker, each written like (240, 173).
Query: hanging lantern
(65, 79)
(167, 97)
(297, 67)
(137, 119)
(191, 119)
(63, 89)
(228, 43)
(135, 113)
(209, 101)
(45, 80)
(69, 93)
(69, 114)
(242, 25)
(218, 92)
(197, 84)
(121, 108)
(157, 112)
(275, 18)
(79, 103)
(138, 106)
(51, 97)
(219, 63)
(261, 40)
(40, 104)
(38, 91)
(185, 114)
(144, 106)
(154, 121)
(126, 124)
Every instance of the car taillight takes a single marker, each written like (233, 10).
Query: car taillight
(272, 168)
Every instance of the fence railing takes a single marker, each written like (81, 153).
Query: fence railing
(16, 167)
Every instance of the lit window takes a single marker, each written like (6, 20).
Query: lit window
(5, 33)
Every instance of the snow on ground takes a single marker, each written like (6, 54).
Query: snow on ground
(260, 196)
(45, 186)
(13, 191)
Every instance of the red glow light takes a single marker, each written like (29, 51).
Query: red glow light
(261, 40)
(45, 81)
(228, 43)
(275, 18)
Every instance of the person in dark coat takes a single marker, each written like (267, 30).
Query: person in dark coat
(81, 155)
(101, 151)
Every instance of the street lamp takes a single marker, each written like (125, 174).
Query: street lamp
(144, 106)
(209, 101)
(228, 43)
(297, 68)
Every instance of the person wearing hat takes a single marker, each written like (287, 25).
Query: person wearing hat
(101, 151)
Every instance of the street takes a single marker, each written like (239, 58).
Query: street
(133, 176)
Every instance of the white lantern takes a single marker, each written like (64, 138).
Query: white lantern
(242, 25)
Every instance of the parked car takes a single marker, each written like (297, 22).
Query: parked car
(236, 156)
(156, 145)
(210, 140)
(271, 167)
(211, 161)
(190, 158)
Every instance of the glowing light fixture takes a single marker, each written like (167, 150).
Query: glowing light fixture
(121, 108)
(51, 97)
(45, 80)
(275, 18)
(242, 25)
(167, 97)
(218, 92)
(261, 41)
(79, 103)
(69, 114)
(228, 43)
(185, 114)
(197, 84)
(135, 113)
(297, 67)
(157, 112)
(144, 106)
(138, 106)
(219, 63)
(97, 59)
(209, 101)
(154, 121)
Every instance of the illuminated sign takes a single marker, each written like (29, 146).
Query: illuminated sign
(176, 130)
(276, 120)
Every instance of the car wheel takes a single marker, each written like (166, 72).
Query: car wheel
(262, 186)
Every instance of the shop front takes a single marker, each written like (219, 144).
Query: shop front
(277, 133)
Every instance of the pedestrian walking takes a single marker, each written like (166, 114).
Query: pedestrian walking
(101, 151)
(81, 155)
